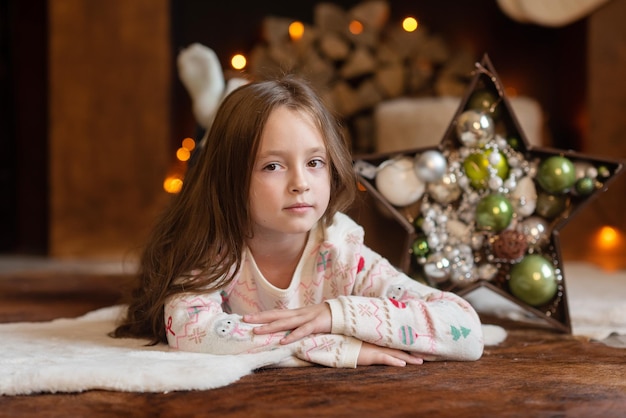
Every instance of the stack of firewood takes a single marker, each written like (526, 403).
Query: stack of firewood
(355, 71)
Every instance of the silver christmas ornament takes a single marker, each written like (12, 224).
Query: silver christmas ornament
(536, 230)
(463, 270)
(446, 190)
(430, 166)
(474, 128)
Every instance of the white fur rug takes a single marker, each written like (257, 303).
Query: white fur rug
(75, 355)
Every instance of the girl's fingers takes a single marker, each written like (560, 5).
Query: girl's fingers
(414, 360)
(275, 326)
(301, 322)
(266, 316)
(297, 334)
(373, 354)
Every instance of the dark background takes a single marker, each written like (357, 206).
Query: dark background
(547, 64)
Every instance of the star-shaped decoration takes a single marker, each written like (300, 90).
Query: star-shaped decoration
(483, 209)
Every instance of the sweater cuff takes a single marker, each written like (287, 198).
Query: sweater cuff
(338, 323)
(351, 352)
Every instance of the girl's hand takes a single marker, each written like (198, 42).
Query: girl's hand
(302, 322)
(371, 354)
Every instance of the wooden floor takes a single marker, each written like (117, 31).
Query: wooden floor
(535, 373)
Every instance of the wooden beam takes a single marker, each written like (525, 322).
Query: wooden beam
(110, 76)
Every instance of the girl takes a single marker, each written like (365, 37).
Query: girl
(255, 252)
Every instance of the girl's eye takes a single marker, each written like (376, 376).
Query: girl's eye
(271, 167)
(317, 163)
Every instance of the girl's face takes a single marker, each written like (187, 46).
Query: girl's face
(290, 182)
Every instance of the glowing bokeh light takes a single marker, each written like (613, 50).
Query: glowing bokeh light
(189, 144)
(608, 238)
(409, 24)
(183, 154)
(355, 27)
(296, 30)
(238, 62)
(172, 184)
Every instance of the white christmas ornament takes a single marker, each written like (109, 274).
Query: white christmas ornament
(458, 230)
(524, 197)
(397, 182)
(585, 169)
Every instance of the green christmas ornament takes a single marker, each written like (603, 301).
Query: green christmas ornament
(533, 280)
(420, 247)
(556, 174)
(584, 186)
(550, 206)
(493, 213)
(514, 142)
(484, 100)
(476, 167)
(604, 172)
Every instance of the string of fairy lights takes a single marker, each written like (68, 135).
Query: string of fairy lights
(173, 183)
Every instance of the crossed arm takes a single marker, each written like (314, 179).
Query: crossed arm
(316, 319)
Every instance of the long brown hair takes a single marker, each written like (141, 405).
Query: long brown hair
(197, 244)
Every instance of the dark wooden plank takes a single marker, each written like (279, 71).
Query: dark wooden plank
(42, 296)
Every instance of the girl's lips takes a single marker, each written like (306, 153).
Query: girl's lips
(299, 206)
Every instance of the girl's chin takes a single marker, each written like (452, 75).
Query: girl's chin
(300, 226)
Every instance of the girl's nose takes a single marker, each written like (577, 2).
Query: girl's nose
(299, 182)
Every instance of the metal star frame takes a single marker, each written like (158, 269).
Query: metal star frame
(400, 233)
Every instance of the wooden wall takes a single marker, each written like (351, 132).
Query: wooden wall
(109, 78)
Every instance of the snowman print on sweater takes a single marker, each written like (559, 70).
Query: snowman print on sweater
(232, 329)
